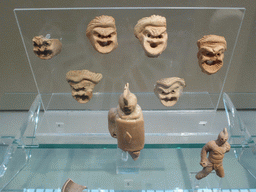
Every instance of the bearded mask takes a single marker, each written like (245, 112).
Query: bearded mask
(151, 32)
(168, 90)
(211, 53)
(45, 48)
(102, 34)
(82, 83)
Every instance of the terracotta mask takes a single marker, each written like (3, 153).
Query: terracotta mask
(168, 90)
(102, 34)
(151, 32)
(45, 48)
(71, 186)
(211, 53)
(82, 83)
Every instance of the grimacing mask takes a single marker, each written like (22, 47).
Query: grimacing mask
(45, 48)
(210, 54)
(102, 34)
(82, 83)
(151, 32)
(168, 90)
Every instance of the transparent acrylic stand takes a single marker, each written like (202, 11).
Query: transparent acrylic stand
(211, 182)
(21, 146)
(125, 164)
(240, 138)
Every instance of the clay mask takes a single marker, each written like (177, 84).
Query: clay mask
(102, 34)
(211, 53)
(168, 90)
(45, 48)
(82, 83)
(151, 32)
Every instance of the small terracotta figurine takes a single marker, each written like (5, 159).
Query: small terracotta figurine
(82, 83)
(151, 32)
(126, 123)
(211, 53)
(102, 34)
(71, 186)
(168, 90)
(45, 48)
(216, 150)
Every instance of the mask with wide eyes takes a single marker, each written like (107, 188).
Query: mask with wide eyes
(45, 48)
(151, 32)
(211, 53)
(82, 83)
(168, 90)
(102, 34)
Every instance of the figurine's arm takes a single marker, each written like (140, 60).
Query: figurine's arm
(112, 122)
(204, 151)
(227, 147)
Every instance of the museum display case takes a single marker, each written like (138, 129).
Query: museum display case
(81, 59)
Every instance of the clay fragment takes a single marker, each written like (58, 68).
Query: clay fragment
(210, 54)
(151, 32)
(82, 83)
(168, 90)
(126, 123)
(45, 48)
(216, 149)
(102, 34)
(71, 186)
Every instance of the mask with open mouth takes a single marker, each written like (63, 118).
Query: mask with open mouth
(211, 53)
(45, 48)
(168, 90)
(102, 34)
(151, 32)
(82, 83)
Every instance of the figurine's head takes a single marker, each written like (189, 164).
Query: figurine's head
(45, 48)
(168, 90)
(151, 32)
(82, 83)
(211, 53)
(223, 137)
(127, 101)
(102, 34)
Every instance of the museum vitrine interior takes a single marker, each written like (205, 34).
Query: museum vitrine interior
(127, 100)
